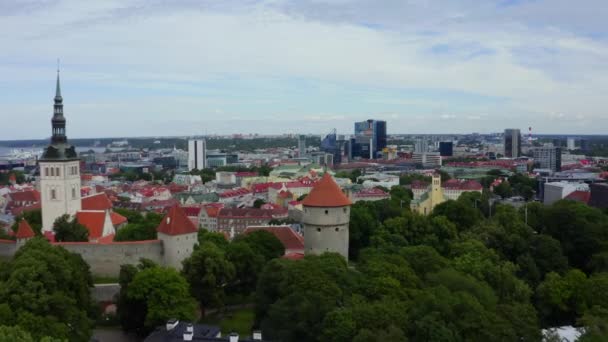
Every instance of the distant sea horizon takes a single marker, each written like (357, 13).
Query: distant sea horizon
(5, 151)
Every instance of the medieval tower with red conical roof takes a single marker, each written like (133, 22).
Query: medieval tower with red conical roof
(326, 218)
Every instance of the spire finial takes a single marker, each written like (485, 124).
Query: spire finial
(58, 88)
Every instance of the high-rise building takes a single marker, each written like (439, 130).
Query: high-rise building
(370, 139)
(197, 154)
(548, 158)
(59, 171)
(584, 145)
(571, 144)
(446, 148)
(512, 143)
(331, 145)
(301, 146)
(421, 145)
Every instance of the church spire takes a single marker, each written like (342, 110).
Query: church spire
(59, 149)
(58, 87)
(58, 120)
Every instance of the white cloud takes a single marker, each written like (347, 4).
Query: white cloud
(150, 47)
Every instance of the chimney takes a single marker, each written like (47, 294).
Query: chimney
(234, 337)
(172, 323)
(257, 335)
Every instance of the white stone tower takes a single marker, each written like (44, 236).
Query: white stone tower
(326, 218)
(59, 171)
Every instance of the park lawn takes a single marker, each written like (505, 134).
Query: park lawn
(239, 321)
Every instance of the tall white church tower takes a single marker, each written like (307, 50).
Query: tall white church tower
(59, 171)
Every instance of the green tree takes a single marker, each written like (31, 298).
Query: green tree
(132, 313)
(247, 264)
(263, 243)
(214, 237)
(208, 272)
(560, 299)
(581, 230)
(68, 230)
(165, 294)
(45, 290)
(503, 190)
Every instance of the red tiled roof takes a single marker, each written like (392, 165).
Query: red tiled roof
(580, 196)
(289, 185)
(176, 223)
(212, 211)
(94, 221)
(18, 210)
(290, 239)
(260, 187)
(372, 192)
(326, 193)
(25, 196)
(454, 184)
(234, 193)
(24, 231)
(251, 213)
(117, 219)
(417, 184)
(192, 211)
(96, 202)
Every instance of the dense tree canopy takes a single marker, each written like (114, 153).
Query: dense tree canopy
(33, 217)
(150, 294)
(139, 227)
(45, 291)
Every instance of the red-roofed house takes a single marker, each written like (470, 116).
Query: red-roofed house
(296, 188)
(240, 194)
(292, 241)
(178, 235)
(208, 216)
(370, 194)
(98, 222)
(579, 196)
(235, 220)
(96, 202)
(24, 198)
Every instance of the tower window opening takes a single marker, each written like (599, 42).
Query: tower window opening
(53, 194)
(326, 212)
(337, 229)
(319, 230)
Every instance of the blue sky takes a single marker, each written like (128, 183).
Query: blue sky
(186, 67)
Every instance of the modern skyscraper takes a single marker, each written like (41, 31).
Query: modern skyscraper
(421, 145)
(197, 154)
(571, 143)
(548, 158)
(301, 146)
(370, 138)
(512, 142)
(330, 145)
(59, 171)
(446, 148)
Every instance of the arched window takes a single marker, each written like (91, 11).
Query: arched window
(53, 194)
(74, 193)
(52, 171)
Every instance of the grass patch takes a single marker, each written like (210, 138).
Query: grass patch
(239, 321)
(104, 280)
